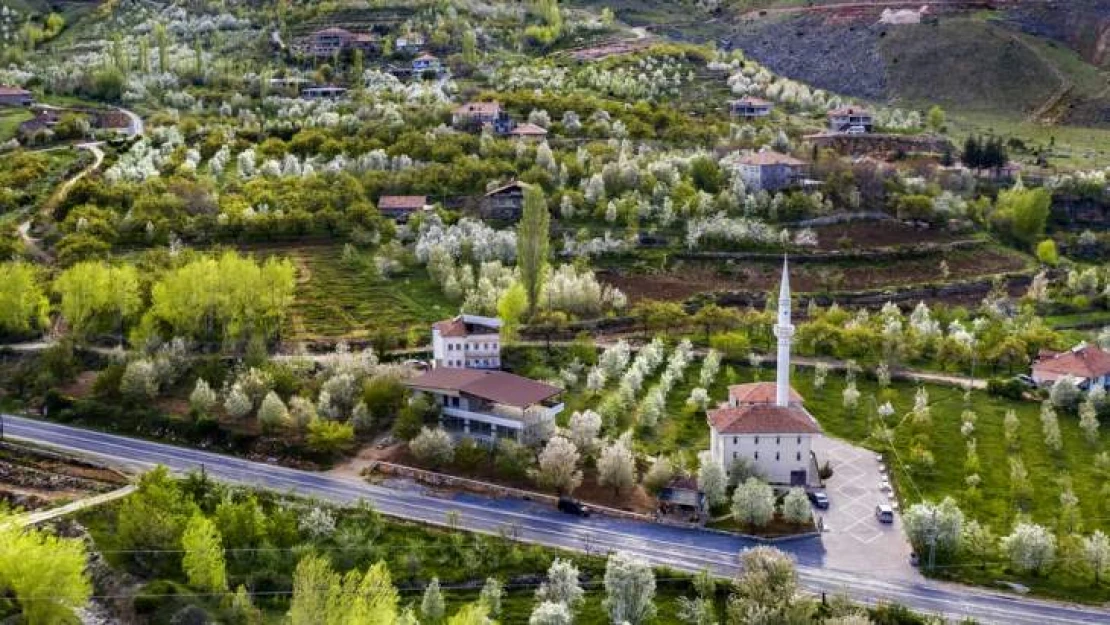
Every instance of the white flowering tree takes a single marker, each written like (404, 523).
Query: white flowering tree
(629, 589)
(753, 503)
(712, 479)
(1030, 548)
(558, 466)
(616, 467)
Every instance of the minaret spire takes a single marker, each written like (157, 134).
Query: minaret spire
(784, 330)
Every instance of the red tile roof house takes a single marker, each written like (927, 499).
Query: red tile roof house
(467, 342)
(401, 207)
(15, 96)
(1087, 364)
(489, 405)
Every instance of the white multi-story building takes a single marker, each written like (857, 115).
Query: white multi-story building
(488, 405)
(764, 423)
(467, 342)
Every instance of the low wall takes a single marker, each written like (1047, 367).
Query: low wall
(874, 254)
(432, 478)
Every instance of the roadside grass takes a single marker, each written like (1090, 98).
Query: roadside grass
(341, 297)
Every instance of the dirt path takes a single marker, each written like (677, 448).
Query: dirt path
(56, 198)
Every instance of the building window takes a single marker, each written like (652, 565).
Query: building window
(776, 456)
(735, 440)
(778, 440)
(734, 455)
(799, 457)
(799, 440)
(757, 440)
(757, 455)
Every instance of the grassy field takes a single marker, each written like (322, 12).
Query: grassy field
(341, 297)
(10, 119)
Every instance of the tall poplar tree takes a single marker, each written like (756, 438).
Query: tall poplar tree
(532, 243)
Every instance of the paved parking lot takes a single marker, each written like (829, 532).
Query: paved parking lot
(854, 539)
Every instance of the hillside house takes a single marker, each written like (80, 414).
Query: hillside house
(400, 207)
(15, 96)
(44, 119)
(425, 63)
(529, 132)
(505, 202)
(323, 92)
(490, 405)
(332, 41)
(408, 43)
(750, 108)
(764, 423)
(1089, 365)
(473, 115)
(467, 342)
(852, 120)
(770, 171)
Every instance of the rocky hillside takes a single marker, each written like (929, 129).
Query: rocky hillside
(1012, 57)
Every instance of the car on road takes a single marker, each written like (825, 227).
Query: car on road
(819, 499)
(1026, 380)
(572, 506)
(884, 513)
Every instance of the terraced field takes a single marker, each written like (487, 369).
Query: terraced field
(341, 297)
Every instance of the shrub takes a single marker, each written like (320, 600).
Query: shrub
(1010, 388)
(330, 437)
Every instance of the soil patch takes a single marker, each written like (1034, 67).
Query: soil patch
(688, 278)
(32, 479)
(872, 234)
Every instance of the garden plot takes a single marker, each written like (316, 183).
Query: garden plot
(341, 297)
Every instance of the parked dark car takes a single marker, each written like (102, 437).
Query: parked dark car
(819, 499)
(571, 506)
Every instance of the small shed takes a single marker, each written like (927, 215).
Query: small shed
(682, 501)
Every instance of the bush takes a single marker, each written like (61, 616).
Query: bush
(469, 454)
(154, 595)
(732, 345)
(825, 471)
(1011, 388)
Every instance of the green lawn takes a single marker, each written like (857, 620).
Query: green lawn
(10, 119)
(338, 297)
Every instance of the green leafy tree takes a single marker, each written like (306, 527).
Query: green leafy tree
(329, 437)
(1046, 252)
(935, 118)
(1022, 213)
(532, 243)
(510, 309)
(155, 515)
(45, 573)
(23, 303)
(204, 556)
(313, 581)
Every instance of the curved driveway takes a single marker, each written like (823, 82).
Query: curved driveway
(678, 548)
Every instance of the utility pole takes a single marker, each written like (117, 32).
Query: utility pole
(932, 540)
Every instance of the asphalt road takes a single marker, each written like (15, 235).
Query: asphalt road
(678, 548)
